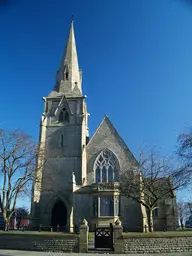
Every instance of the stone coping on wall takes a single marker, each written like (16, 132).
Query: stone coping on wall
(157, 234)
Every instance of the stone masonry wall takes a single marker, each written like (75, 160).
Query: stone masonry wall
(48, 243)
(157, 245)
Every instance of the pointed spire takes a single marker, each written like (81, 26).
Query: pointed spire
(69, 76)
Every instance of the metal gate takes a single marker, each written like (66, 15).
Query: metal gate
(104, 237)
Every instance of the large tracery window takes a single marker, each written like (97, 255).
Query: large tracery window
(106, 167)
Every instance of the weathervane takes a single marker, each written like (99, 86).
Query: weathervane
(72, 17)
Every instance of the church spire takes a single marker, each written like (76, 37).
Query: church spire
(68, 79)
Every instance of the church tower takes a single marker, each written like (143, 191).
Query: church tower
(64, 133)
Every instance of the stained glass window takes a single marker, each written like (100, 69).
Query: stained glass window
(104, 174)
(106, 167)
(109, 205)
(110, 173)
(116, 174)
(98, 176)
(106, 206)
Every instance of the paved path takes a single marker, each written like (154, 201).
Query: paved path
(29, 253)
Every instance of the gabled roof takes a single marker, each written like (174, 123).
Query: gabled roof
(101, 127)
(62, 103)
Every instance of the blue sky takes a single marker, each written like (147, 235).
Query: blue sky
(136, 57)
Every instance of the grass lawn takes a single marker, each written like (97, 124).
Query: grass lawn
(184, 229)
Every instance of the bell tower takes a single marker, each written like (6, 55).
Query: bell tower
(63, 129)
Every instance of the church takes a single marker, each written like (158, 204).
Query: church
(67, 190)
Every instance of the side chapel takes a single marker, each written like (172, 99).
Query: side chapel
(67, 188)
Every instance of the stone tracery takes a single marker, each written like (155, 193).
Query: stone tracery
(106, 167)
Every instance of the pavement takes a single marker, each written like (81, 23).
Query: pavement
(32, 253)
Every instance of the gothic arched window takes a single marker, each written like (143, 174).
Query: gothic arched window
(64, 116)
(106, 167)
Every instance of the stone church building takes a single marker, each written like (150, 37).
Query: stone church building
(67, 189)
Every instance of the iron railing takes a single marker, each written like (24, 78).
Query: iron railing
(41, 228)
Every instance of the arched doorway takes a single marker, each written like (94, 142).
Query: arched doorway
(59, 214)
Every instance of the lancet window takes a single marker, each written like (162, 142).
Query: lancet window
(64, 115)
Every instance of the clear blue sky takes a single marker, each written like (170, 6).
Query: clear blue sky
(136, 57)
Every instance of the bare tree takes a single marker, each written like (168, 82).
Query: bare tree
(183, 212)
(18, 158)
(149, 182)
(185, 154)
(190, 207)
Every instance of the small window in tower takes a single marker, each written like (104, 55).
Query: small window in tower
(61, 141)
(61, 117)
(67, 75)
(64, 116)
